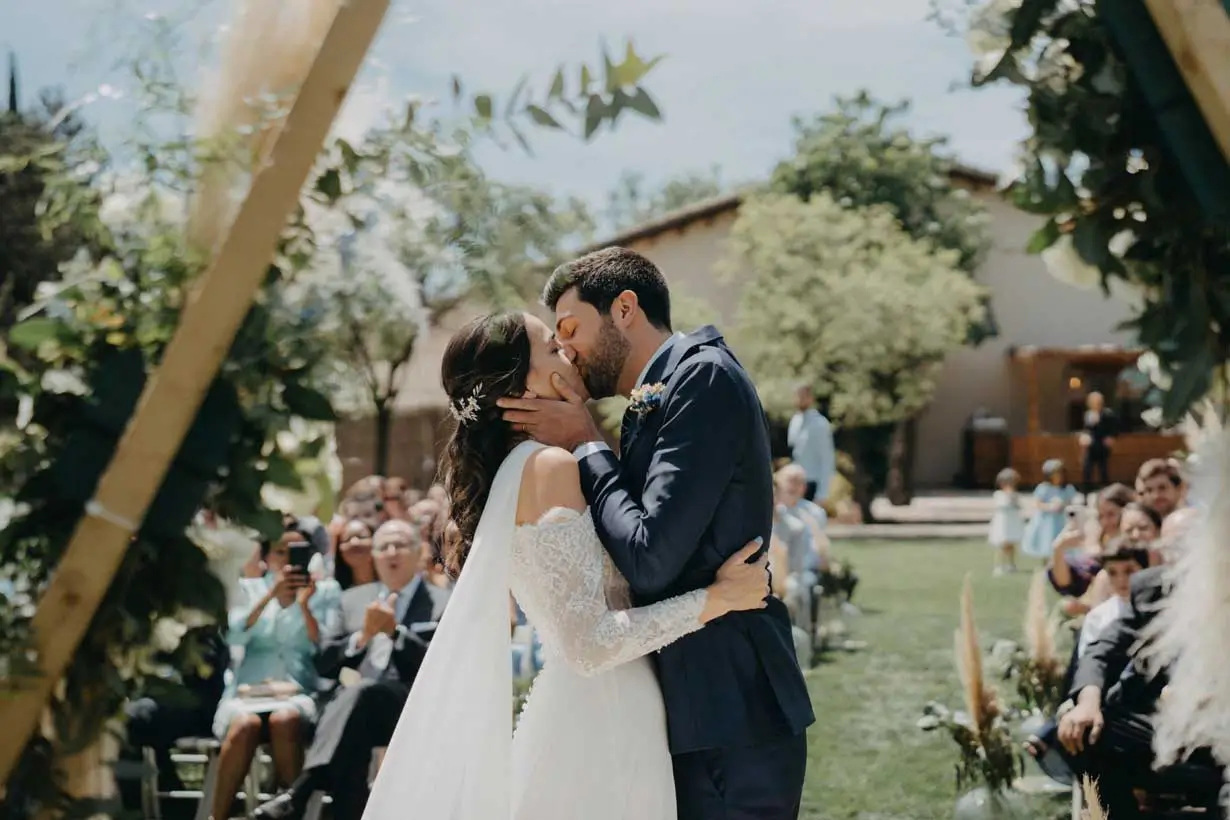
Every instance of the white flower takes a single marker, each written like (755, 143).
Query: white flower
(1152, 417)
(1151, 366)
(64, 381)
(167, 634)
(989, 31)
(228, 548)
(1066, 265)
(1121, 243)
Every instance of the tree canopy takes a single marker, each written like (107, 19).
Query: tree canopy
(633, 201)
(844, 299)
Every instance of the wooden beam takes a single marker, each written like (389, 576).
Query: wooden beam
(176, 389)
(1197, 33)
(1033, 420)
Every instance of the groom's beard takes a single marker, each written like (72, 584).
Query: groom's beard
(600, 372)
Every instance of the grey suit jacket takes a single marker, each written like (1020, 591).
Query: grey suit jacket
(425, 609)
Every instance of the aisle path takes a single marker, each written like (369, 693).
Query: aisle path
(934, 514)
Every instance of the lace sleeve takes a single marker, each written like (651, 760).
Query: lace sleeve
(565, 584)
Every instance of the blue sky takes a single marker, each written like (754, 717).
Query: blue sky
(735, 73)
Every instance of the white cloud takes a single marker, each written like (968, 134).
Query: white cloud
(735, 73)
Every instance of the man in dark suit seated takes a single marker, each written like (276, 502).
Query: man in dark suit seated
(381, 637)
(1108, 731)
(157, 722)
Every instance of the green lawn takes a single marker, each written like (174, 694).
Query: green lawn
(866, 758)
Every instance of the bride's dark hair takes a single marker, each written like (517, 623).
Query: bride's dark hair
(487, 359)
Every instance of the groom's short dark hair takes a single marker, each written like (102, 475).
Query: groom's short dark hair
(601, 276)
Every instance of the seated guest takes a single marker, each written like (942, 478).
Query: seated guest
(382, 637)
(1120, 562)
(157, 724)
(356, 567)
(438, 494)
(1108, 733)
(1075, 551)
(393, 491)
(1159, 484)
(1141, 526)
(802, 567)
(270, 697)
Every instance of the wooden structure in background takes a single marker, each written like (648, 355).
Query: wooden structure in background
(1197, 33)
(174, 392)
(1027, 452)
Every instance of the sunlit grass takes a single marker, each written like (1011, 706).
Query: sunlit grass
(867, 759)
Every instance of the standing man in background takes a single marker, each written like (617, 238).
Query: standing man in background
(810, 437)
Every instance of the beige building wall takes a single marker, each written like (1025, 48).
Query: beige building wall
(1031, 307)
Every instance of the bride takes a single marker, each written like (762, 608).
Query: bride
(591, 741)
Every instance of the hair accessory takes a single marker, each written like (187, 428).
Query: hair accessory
(466, 409)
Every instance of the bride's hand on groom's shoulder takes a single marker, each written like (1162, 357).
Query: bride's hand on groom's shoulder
(739, 586)
(556, 423)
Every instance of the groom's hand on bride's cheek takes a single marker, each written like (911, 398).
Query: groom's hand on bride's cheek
(566, 423)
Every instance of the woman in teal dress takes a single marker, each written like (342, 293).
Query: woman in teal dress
(269, 698)
(1053, 496)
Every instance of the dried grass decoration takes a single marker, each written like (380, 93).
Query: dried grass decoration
(988, 756)
(1038, 668)
(1093, 802)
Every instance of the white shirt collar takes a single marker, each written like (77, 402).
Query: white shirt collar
(662, 348)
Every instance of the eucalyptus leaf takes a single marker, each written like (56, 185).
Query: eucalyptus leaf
(281, 471)
(483, 106)
(557, 85)
(32, 333)
(644, 105)
(307, 403)
(329, 185)
(1044, 237)
(1190, 382)
(542, 117)
(595, 114)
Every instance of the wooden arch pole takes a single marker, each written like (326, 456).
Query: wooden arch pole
(174, 392)
(1197, 33)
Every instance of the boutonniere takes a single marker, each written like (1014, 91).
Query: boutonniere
(646, 398)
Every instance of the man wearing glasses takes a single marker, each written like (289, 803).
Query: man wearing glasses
(371, 657)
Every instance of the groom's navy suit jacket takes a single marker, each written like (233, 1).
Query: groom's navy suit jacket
(693, 485)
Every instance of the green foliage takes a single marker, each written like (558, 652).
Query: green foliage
(861, 156)
(989, 757)
(40, 224)
(113, 282)
(584, 106)
(1097, 166)
(631, 203)
(1038, 683)
(410, 228)
(824, 281)
(407, 228)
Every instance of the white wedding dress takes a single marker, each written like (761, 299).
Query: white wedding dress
(591, 741)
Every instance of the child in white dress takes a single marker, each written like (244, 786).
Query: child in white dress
(1007, 521)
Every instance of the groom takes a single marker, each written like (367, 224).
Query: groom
(691, 485)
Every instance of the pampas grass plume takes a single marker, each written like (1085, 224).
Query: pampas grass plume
(266, 54)
(1093, 801)
(980, 699)
(1040, 627)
